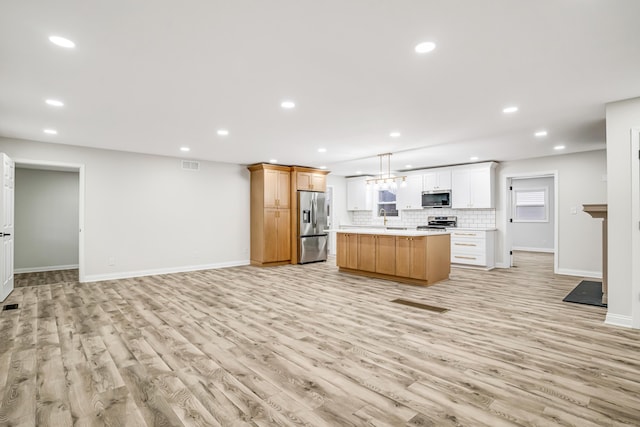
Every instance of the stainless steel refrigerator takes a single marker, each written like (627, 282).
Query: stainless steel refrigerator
(312, 222)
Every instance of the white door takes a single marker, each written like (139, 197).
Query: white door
(7, 178)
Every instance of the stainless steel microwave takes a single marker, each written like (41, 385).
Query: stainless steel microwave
(436, 199)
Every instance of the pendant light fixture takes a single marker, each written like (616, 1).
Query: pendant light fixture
(384, 178)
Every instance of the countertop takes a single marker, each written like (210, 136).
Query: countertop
(354, 228)
(390, 232)
(471, 229)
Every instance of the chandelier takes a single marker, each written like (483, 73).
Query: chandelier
(385, 179)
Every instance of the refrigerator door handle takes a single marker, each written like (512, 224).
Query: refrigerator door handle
(315, 214)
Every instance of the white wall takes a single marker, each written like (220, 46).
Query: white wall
(579, 181)
(621, 117)
(46, 220)
(340, 215)
(537, 236)
(149, 216)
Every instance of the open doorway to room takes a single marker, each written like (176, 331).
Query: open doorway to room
(531, 215)
(48, 223)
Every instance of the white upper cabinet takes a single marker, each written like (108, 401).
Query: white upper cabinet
(409, 196)
(359, 196)
(437, 179)
(472, 187)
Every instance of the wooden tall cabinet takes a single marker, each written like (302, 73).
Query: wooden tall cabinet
(270, 214)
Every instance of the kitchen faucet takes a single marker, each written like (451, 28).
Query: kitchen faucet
(384, 213)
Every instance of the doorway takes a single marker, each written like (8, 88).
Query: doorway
(330, 219)
(50, 255)
(531, 215)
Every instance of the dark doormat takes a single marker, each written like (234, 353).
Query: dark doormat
(587, 292)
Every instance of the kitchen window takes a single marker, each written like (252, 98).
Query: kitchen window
(531, 205)
(387, 201)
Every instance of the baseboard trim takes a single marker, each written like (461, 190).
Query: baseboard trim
(42, 269)
(172, 270)
(580, 273)
(618, 320)
(525, 249)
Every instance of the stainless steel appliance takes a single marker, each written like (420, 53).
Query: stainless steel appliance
(436, 199)
(312, 222)
(439, 222)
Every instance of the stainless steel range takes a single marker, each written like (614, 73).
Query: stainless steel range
(439, 222)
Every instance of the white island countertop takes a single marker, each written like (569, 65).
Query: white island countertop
(391, 232)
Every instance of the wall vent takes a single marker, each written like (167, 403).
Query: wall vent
(190, 165)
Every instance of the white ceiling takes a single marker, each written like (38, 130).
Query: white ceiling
(152, 76)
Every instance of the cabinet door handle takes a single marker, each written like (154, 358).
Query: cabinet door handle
(465, 257)
(465, 244)
(464, 234)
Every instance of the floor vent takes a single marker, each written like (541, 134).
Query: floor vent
(190, 165)
(10, 307)
(419, 305)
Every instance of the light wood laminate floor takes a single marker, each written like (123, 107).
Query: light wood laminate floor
(45, 278)
(306, 345)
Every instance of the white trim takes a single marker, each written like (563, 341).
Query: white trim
(580, 273)
(506, 242)
(635, 228)
(68, 167)
(172, 270)
(618, 320)
(48, 268)
(523, 248)
(4, 293)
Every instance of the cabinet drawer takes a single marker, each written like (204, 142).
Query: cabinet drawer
(468, 246)
(473, 259)
(463, 235)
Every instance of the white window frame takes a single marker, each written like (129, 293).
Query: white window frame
(378, 202)
(514, 200)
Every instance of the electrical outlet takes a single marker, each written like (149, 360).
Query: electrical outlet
(111, 261)
(574, 210)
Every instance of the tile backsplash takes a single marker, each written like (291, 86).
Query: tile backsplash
(467, 218)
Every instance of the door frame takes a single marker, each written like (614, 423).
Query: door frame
(635, 227)
(66, 167)
(508, 238)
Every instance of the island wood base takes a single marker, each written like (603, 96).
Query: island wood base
(417, 258)
(400, 279)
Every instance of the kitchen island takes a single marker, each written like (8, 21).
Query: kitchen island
(408, 256)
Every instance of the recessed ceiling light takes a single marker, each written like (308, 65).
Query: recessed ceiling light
(358, 172)
(559, 147)
(222, 132)
(323, 167)
(54, 103)
(509, 110)
(273, 161)
(50, 131)
(408, 166)
(322, 150)
(288, 105)
(185, 149)
(425, 47)
(394, 134)
(541, 133)
(473, 158)
(62, 42)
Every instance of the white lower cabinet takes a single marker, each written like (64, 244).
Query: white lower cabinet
(473, 247)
